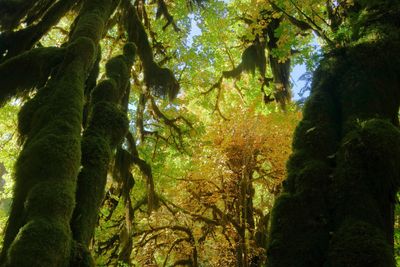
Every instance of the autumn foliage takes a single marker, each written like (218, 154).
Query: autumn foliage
(217, 213)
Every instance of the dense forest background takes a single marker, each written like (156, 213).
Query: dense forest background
(173, 142)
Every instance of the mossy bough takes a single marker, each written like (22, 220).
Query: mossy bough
(35, 66)
(107, 126)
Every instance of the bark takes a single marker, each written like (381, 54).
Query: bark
(336, 208)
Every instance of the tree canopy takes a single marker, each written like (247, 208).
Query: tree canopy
(156, 133)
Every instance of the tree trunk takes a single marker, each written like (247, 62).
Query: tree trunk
(336, 208)
(39, 234)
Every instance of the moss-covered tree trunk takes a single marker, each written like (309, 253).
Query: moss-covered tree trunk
(38, 231)
(336, 208)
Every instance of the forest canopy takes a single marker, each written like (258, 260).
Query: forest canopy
(173, 133)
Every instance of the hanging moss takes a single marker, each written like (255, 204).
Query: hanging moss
(27, 113)
(161, 81)
(35, 66)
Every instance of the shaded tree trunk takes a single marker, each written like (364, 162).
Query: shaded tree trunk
(39, 234)
(336, 208)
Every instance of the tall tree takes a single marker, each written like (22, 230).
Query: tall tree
(60, 174)
(337, 204)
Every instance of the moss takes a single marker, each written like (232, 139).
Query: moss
(41, 242)
(129, 52)
(298, 234)
(106, 90)
(90, 192)
(59, 194)
(109, 120)
(35, 66)
(90, 26)
(29, 109)
(367, 177)
(369, 84)
(51, 152)
(317, 138)
(50, 160)
(359, 244)
(81, 256)
(95, 150)
(84, 48)
(161, 81)
(313, 178)
(106, 128)
(92, 19)
(116, 69)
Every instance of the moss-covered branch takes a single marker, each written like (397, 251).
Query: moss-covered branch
(38, 234)
(107, 126)
(12, 43)
(34, 66)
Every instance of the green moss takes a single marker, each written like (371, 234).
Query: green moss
(41, 242)
(298, 234)
(106, 128)
(90, 26)
(317, 138)
(106, 90)
(28, 111)
(95, 150)
(56, 157)
(59, 194)
(81, 256)
(83, 48)
(129, 52)
(359, 244)
(92, 19)
(116, 69)
(367, 177)
(109, 120)
(34, 66)
(313, 178)
(161, 81)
